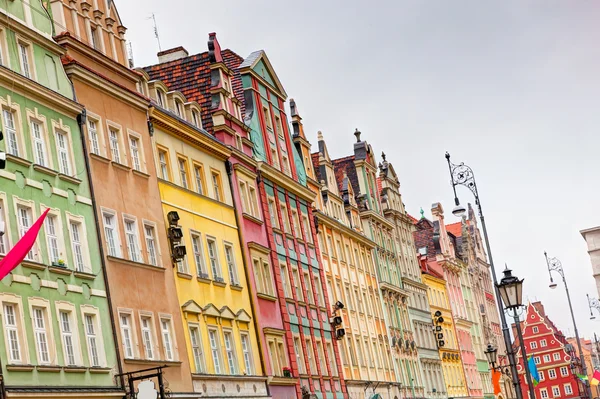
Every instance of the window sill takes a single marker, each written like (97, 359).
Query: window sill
(120, 166)
(33, 265)
(85, 275)
(267, 297)
(99, 370)
(74, 369)
(45, 170)
(20, 367)
(204, 280)
(141, 174)
(18, 160)
(136, 264)
(69, 179)
(147, 361)
(48, 369)
(236, 287)
(252, 218)
(100, 158)
(219, 283)
(186, 276)
(60, 270)
(277, 380)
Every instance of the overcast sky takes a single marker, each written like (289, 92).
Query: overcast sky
(509, 87)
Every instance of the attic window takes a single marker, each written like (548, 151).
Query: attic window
(196, 118)
(179, 108)
(160, 98)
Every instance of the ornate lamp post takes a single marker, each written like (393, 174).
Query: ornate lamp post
(462, 175)
(511, 290)
(554, 265)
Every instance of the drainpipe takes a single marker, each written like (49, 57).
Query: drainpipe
(229, 169)
(81, 120)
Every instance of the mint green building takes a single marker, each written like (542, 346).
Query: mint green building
(56, 338)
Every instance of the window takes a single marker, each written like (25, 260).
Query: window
(216, 181)
(215, 350)
(544, 393)
(533, 345)
(163, 165)
(306, 227)
(160, 98)
(131, 235)
(182, 265)
(93, 136)
(197, 349)
(196, 119)
(214, 258)
(165, 328)
(113, 136)
(12, 332)
(238, 142)
(568, 389)
(297, 284)
(67, 337)
(309, 292)
(112, 235)
(321, 354)
(551, 373)
(273, 213)
(3, 238)
(198, 257)
(556, 392)
(299, 355)
(248, 196)
(12, 144)
(231, 267)
(25, 221)
(62, 147)
(91, 338)
(179, 108)
(76, 245)
(543, 343)
(52, 238)
(25, 64)
(151, 244)
(332, 362)
(147, 338)
(556, 356)
(285, 217)
(134, 148)
(41, 335)
(39, 143)
(277, 354)
(296, 223)
(94, 38)
(311, 357)
(183, 174)
(564, 371)
(542, 376)
(535, 329)
(262, 271)
(247, 353)
(126, 336)
(285, 280)
(230, 351)
(199, 176)
(546, 358)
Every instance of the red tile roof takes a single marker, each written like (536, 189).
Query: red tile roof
(455, 229)
(315, 161)
(379, 185)
(346, 164)
(412, 219)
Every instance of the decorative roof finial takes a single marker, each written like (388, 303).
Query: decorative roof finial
(422, 213)
(319, 136)
(357, 134)
(383, 155)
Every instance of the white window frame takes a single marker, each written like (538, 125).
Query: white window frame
(85, 251)
(213, 260)
(199, 178)
(133, 254)
(299, 354)
(568, 391)
(146, 320)
(163, 167)
(26, 58)
(231, 263)
(128, 353)
(99, 134)
(115, 230)
(95, 313)
(554, 389)
(184, 173)
(36, 303)
(247, 352)
(19, 327)
(71, 312)
(566, 371)
(39, 144)
(197, 349)
(168, 337)
(5, 242)
(156, 246)
(230, 351)
(214, 340)
(116, 153)
(217, 185)
(546, 358)
(13, 136)
(54, 214)
(533, 345)
(544, 393)
(543, 343)
(556, 356)
(4, 55)
(63, 153)
(19, 203)
(551, 374)
(197, 247)
(136, 152)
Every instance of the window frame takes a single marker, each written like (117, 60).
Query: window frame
(19, 327)
(83, 243)
(183, 171)
(99, 133)
(95, 313)
(30, 207)
(128, 315)
(232, 266)
(127, 218)
(151, 351)
(199, 363)
(71, 312)
(214, 261)
(20, 149)
(30, 71)
(215, 349)
(231, 353)
(167, 165)
(43, 305)
(247, 355)
(39, 120)
(141, 160)
(119, 149)
(217, 185)
(167, 318)
(116, 234)
(199, 179)
(152, 225)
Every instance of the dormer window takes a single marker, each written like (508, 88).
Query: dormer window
(196, 118)
(179, 108)
(160, 97)
(94, 38)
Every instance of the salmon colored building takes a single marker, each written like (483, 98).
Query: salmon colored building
(145, 312)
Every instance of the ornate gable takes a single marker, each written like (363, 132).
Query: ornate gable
(259, 63)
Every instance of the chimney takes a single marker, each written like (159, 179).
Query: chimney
(172, 54)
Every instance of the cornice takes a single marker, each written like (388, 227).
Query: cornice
(378, 217)
(285, 181)
(228, 116)
(40, 93)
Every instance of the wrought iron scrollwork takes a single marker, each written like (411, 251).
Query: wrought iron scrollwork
(463, 175)
(555, 265)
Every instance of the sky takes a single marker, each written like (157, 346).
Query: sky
(508, 87)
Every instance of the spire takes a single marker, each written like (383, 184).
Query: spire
(422, 213)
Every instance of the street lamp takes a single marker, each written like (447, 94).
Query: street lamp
(462, 175)
(511, 290)
(593, 303)
(554, 265)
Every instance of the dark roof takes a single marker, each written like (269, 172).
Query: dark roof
(315, 161)
(346, 164)
(191, 76)
(423, 236)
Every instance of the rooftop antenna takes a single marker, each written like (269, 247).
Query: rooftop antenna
(155, 30)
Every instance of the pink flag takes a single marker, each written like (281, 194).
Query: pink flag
(21, 248)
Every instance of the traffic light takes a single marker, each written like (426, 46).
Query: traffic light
(2, 154)
(336, 321)
(175, 235)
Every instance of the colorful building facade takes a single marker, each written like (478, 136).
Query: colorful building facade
(56, 338)
(146, 314)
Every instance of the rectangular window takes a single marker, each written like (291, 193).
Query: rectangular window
(12, 332)
(196, 119)
(95, 40)
(113, 136)
(183, 174)
(131, 235)
(197, 349)
(77, 246)
(214, 258)
(230, 350)
(568, 389)
(41, 335)
(285, 280)
(542, 376)
(297, 284)
(285, 218)
(199, 176)
(52, 238)
(546, 358)
(198, 257)
(39, 143)
(216, 181)
(92, 339)
(147, 338)
(151, 244)
(533, 345)
(25, 64)
(25, 221)
(62, 146)
(543, 343)
(67, 337)
(273, 213)
(165, 327)
(551, 373)
(231, 267)
(296, 223)
(309, 293)
(556, 356)
(262, 271)
(306, 226)
(134, 148)
(556, 392)
(163, 165)
(126, 335)
(535, 329)
(322, 363)
(311, 357)
(93, 136)
(112, 235)
(544, 393)
(332, 363)
(564, 371)
(247, 353)
(244, 197)
(215, 349)
(12, 144)
(299, 356)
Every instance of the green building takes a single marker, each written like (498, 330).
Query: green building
(56, 338)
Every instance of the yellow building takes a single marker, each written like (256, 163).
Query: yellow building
(211, 282)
